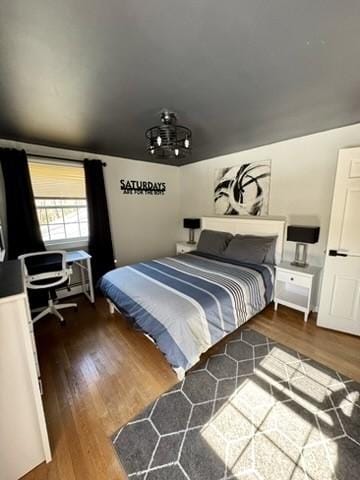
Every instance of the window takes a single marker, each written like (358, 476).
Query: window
(60, 201)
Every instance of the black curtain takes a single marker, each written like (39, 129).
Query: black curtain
(100, 244)
(23, 228)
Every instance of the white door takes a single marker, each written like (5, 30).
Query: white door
(340, 293)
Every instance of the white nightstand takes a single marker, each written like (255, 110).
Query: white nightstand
(296, 287)
(184, 247)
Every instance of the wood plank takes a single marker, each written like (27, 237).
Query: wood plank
(339, 351)
(98, 372)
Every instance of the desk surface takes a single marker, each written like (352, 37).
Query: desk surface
(77, 256)
(11, 279)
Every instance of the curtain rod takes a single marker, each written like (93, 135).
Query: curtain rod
(36, 155)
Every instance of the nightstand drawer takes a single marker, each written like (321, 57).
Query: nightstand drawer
(296, 279)
(183, 247)
(183, 250)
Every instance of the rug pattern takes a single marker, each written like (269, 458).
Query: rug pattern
(255, 410)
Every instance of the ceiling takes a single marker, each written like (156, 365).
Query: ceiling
(94, 75)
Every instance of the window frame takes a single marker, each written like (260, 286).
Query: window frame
(64, 240)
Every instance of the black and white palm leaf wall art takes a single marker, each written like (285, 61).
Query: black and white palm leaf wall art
(243, 190)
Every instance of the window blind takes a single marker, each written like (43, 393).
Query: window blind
(57, 181)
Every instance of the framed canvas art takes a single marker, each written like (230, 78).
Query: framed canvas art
(243, 189)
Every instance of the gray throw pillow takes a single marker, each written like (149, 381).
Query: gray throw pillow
(213, 242)
(270, 254)
(250, 249)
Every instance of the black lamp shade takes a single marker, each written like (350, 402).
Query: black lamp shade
(191, 222)
(303, 234)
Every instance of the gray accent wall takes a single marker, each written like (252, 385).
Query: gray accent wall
(91, 75)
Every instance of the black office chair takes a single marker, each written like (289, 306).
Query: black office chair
(47, 271)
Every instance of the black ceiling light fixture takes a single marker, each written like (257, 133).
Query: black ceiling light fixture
(168, 140)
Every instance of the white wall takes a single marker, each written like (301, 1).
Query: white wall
(142, 227)
(302, 179)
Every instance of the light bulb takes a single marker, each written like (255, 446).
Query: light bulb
(158, 140)
(176, 151)
(152, 150)
(187, 143)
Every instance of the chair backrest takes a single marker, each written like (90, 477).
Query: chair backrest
(43, 270)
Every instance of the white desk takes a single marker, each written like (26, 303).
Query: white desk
(83, 260)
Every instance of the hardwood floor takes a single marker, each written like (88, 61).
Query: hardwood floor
(98, 373)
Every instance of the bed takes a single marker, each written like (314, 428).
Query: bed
(189, 302)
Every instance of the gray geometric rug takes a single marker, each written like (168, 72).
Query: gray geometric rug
(256, 410)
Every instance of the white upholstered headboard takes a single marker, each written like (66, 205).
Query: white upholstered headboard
(249, 226)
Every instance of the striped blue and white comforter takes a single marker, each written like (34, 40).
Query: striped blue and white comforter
(189, 302)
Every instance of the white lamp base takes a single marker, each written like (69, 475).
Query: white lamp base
(300, 259)
(191, 240)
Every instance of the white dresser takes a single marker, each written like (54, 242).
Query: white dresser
(24, 440)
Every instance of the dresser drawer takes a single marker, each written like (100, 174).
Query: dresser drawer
(295, 278)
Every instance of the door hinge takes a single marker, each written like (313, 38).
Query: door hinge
(335, 253)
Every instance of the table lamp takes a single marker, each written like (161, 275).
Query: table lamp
(302, 235)
(191, 224)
